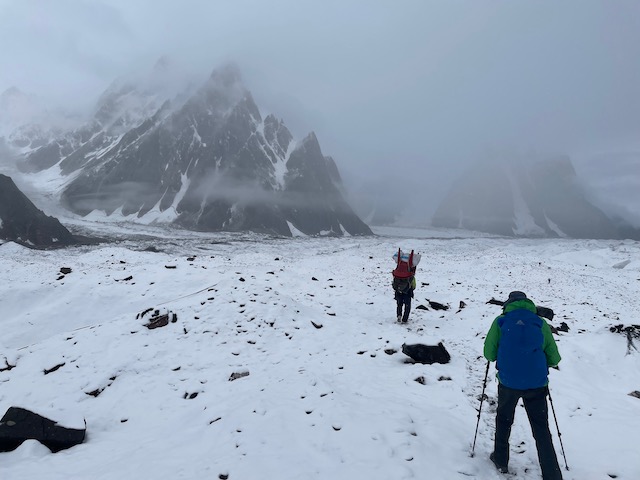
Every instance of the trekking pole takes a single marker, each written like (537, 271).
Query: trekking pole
(558, 428)
(484, 385)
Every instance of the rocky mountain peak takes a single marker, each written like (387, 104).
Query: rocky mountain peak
(211, 163)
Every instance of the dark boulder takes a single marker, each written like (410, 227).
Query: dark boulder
(427, 354)
(18, 425)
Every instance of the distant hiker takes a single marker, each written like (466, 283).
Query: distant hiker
(404, 282)
(524, 348)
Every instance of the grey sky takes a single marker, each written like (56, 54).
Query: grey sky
(417, 84)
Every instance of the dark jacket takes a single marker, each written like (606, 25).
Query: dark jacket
(404, 286)
(523, 345)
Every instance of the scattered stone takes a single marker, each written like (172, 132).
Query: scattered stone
(53, 369)
(562, 328)
(421, 380)
(421, 307)
(95, 393)
(438, 306)
(157, 319)
(443, 378)
(8, 366)
(237, 375)
(493, 301)
(317, 325)
(144, 312)
(170, 266)
(157, 322)
(65, 270)
(390, 351)
(635, 393)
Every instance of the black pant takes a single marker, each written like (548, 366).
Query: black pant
(535, 403)
(403, 299)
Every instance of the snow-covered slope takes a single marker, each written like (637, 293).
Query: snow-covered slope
(335, 402)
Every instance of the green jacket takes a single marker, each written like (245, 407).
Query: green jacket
(522, 344)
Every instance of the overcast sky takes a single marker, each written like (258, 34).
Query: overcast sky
(420, 84)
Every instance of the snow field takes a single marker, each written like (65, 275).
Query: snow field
(331, 402)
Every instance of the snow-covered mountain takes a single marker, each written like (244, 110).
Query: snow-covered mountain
(206, 160)
(126, 104)
(540, 198)
(258, 380)
(21, 221)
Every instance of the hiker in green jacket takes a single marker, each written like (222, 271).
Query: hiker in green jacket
(523, 347)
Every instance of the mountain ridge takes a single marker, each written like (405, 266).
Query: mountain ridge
(188, 162)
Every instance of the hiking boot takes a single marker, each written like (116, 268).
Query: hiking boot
(405, 320)
(501, 468)
(399, 318)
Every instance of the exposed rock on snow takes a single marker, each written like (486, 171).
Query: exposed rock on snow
(22, 222)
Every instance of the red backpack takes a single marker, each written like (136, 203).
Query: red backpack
(404, 268)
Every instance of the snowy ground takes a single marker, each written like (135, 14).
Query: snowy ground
(333, 402)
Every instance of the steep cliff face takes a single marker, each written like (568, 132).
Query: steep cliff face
(21, 221)
(531, 199)
(313, 193)
(207, 161)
